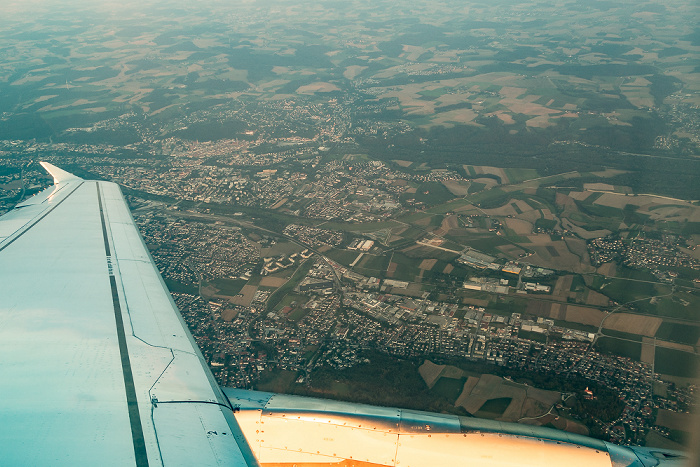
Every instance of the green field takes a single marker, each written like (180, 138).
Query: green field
(413, 232)
(682, 305)
(508, 304)
(229, 287)
(278, 381)
(451, 206)
(642, 286)
(178, 287)
(577, 284)
(280, 293)
(494, 408)
(621, 347)
(430, 193)
(384, 380)
(291, 300)
(407, 268)
(676, 363)
(546, 224)
(297, 314)
(432, 94)
(683, 333)
(475, 187)
(449, 388)
(344, 257)
(492, 198)
(519, 175)
(513, 237)
(487, 244)
(371, 265)
(412, 217)
(592, 223)
(426, 252)
(281, 248)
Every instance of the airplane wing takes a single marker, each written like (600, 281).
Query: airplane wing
(97, 367)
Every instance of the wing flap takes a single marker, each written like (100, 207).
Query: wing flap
(149, 310)
(185, 431)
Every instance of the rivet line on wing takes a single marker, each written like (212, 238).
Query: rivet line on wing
(137, 436)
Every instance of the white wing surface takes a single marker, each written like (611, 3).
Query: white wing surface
(96, 365)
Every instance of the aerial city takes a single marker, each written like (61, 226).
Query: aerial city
(481, 208)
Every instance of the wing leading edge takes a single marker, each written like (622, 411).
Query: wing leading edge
(97, 365)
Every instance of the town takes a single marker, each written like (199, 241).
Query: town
(264, 298)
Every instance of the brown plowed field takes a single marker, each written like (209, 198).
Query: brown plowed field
(633, 324)
(584, 315)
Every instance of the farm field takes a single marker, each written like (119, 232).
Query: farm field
(675, 362)
(496, 398)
